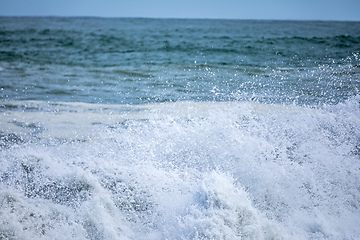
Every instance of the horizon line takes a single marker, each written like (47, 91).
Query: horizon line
(177, 18)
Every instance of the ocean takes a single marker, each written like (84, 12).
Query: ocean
(136, 128)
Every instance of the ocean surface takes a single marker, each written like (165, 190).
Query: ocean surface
(125, 128)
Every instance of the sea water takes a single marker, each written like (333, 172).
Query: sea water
(179, 129)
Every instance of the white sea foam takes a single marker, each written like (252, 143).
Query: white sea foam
(181, 170)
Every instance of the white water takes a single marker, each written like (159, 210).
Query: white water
(179, 171)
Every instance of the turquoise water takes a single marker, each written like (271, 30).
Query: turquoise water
(179, 129)
(135, 61)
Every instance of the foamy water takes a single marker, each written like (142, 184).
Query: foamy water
(180, 171)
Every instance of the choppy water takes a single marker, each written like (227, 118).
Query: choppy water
(179, 129)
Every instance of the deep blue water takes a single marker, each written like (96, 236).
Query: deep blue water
(155, 60)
